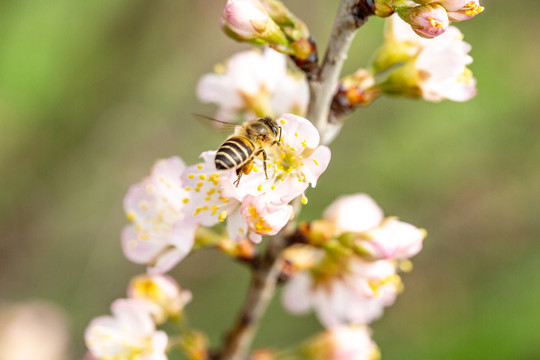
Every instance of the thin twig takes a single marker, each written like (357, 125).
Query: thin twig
(351, 15)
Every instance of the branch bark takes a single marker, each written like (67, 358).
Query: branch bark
(350, 16)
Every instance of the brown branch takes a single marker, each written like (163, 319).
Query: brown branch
(351, 15)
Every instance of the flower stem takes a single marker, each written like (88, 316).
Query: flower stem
(351, 15)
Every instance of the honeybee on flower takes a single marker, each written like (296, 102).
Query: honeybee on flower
(251, 140)
(212, 194)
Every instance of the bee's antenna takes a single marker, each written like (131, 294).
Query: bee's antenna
(200, 116)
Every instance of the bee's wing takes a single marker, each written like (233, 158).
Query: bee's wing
(217, 124)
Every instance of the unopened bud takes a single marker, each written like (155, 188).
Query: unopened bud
(248, 20)
(161, 294)
(427, 21)
(384, 8)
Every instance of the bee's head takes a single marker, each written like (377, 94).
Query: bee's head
(272, 125)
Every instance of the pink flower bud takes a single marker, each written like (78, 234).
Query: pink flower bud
(161, 293)
(248, 19)
(392, 240)
(459, 10)
(428, 21)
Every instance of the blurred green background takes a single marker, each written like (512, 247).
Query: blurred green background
(91, 93)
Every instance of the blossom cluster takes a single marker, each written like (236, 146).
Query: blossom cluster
(357, 254)
(252, 84)
(411, 66)
(345, 266)
(429, 18)
(167, 207)
(131, 333)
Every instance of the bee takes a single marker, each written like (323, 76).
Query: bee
(251, 139)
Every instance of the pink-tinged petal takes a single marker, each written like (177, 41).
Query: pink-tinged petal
(255, 238)
(137, 250)
(459, 10)
(287, 190)
(331, 303)
(296, 294)
(263, 217)
(394, 240)
(133, 314)
(206, 203)
(292, 97)
(255, 183)
(297, 132)
(252, 83)
(354, 213)
(162, 294)
(129, 333)
(159, 341)
(219, 89)
(316, 164)
(166, 261)
(237, 228)
(274, 73)
(246, 18)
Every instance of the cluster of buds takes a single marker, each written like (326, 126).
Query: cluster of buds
(269, 22)
(411, 66)
(429, 18)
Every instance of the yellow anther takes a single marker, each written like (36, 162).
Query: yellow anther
(259, 187)
(130, 216)
(315, 161)
(273, 187)
(304, 143)
(296, 134)
(207, 198)
(197, 190)
(283, 121)
(185, 201)
(202, 177)
(191, 176)
(304, 200)
(222, 216)
(188, 188)
(199, 166)
(256, 169)
(150, 189)
(200, 184)
(435, 23)
(144, 237)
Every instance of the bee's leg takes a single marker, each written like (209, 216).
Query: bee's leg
(264, 163)
(239, 173)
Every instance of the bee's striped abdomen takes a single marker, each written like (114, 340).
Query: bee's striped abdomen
(233, 153)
